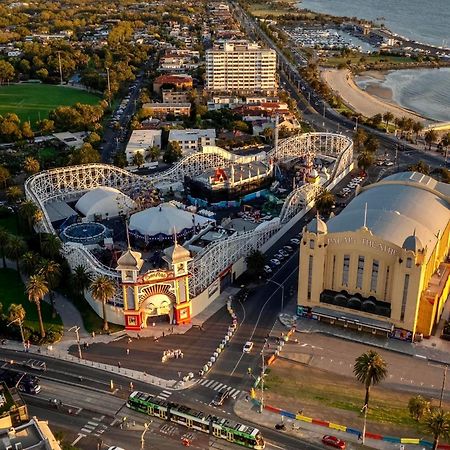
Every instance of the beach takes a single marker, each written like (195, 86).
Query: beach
(375, 100)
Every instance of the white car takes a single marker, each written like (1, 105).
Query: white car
(275, 261)
(294, 241)
(388, 163)
(267, 269)
(248, 347)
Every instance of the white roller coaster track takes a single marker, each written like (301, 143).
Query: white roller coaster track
(70, 183)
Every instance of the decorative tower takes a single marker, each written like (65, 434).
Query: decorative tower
(178, 260)
(129, 266)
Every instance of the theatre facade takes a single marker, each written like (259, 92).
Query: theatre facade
(381, 264)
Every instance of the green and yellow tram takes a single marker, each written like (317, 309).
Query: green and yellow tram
(217, 426)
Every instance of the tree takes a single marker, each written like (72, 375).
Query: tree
(437, 422)
(4, 240)
(103, 289)
(46, 126)
(27, 132)
(417, 127)
(15, 312)
(369, 369)
(421, 167)
(15, 248)
(388, 117)
(7, 72)
(376, 119)
(84, 155)
(418, 407)
(31, 165)
(173, 152)
(27, 211)
(51, 245)
(14, 193)
(37, 289)
(120, 160)
(255, 261)
(371, 144)
(359, 139)
(154, 152)
(51, 272)
(325, 202)
(365, 160)
(81, 279)
(138, 159)
(430, 138)
(4, 175)
(30, 263)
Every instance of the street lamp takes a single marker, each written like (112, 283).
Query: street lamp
(363, 437)
(146, 427)
(19, 320)
(282, 291)
(263, 369)
(77, 329)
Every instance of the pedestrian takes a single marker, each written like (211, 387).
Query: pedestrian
(130, 340)
(131, 386)
(138, 336)
(154, 324)
(119, 365)
(128, 351)
(93, 335)
(163, 334)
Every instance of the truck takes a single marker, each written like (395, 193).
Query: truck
(23, 381)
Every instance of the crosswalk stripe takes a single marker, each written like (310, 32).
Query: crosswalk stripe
(234, 392)
(93, 424)
(86, 430)
(214, 384)
(209, 383)
(219, 386)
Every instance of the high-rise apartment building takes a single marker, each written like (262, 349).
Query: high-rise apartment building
(241, 66)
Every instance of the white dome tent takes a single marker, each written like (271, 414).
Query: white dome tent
(105, 202)
(161, 222)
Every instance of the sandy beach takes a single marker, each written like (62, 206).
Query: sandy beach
(376, 100)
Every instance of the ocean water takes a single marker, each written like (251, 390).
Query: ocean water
(425, 21)
(426, 91)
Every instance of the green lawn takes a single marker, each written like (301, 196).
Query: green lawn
(12, 290)
(34, 101)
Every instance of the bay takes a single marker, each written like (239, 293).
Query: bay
(423, 21)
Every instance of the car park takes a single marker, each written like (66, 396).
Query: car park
(333, 441)
(248, 347)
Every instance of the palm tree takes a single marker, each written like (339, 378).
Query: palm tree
(4, 239)
(369, 369)
(103, 289)
(388, 117)
(30, 263)
(14, 193)
(16, 312)
(51, 245)
(37, 289)
(365, 160)
(418, 406)
(81, 279)
(51, 272)
(325, 202)
(437, 422)
(430, 137)
(417, 128)
(15, 248)
(27, 211)
(31, 165)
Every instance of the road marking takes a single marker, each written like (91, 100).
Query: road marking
(214, 384)
(98, 419)
(209, 383)
(85, 430)
(80, 436)
(113, 422)
(93, 424)
(219, 386)
(260, 314)
(274, 445)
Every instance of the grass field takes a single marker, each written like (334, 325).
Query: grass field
(34, 101)
(12, 290)
(328, 396)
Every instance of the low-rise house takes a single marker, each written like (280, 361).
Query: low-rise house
(192, 140)
(141, 141)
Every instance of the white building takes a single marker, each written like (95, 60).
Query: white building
(140, 141)
(241, 66)
(192, 140)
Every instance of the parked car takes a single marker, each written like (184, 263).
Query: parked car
(333, 441)
(267, 270)
(288, 248)
(273, 265)
(248, 347)
(295, 241)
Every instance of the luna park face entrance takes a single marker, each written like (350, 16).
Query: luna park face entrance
(158, 309)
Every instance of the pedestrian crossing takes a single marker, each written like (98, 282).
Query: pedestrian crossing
(216, 386)
(164, 395)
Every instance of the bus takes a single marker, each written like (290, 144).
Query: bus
(219, 427)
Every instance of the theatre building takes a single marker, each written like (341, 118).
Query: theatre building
(381, 264)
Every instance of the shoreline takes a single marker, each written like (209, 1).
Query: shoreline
(367, 103)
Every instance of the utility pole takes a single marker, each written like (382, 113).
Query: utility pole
(109, 85)
(19, 320)
(146, 427)
(363, 437)
(324, 109)
(282, 291)
(60, 68)
(77, 329)
(261, 406)
(444, 380)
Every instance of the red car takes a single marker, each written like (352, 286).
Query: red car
(333, 441)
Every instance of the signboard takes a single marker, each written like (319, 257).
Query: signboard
(156, 275)
(349, 240)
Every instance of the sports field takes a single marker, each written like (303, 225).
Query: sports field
(34, 101)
